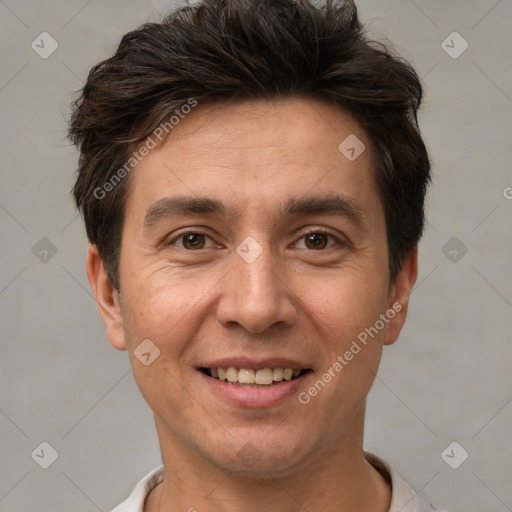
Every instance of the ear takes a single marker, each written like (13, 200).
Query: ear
(107, 298)
(399, 295)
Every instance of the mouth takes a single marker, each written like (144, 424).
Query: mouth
(252, 377)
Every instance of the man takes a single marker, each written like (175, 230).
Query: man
(252, 180)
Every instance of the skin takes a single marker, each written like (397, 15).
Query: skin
(296, 300)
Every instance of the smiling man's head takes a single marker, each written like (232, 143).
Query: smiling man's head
(252, 180)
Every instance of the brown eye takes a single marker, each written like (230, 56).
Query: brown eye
(193, 241)
(316, 241)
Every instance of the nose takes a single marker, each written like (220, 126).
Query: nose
(256, 295)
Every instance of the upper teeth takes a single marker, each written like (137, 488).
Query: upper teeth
(264, 376)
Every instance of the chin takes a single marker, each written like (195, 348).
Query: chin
(258, 457)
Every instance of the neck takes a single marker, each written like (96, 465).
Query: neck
(338, 479)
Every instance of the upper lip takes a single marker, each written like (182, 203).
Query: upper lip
(256, 364)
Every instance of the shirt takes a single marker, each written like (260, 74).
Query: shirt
(403, 497)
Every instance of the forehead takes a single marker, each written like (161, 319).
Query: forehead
(258, 153)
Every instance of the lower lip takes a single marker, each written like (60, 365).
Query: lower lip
(254, 397)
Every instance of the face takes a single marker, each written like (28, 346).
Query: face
(252, 243)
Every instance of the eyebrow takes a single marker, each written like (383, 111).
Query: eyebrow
(181, 206)
(335, 205)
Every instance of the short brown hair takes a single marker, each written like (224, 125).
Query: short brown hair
(225, 50)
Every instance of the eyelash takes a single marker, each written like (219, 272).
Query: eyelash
(310, 232)
(326, 233)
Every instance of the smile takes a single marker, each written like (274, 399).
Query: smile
(249, 377)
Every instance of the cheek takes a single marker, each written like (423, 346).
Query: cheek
(156, 320)
(158, 302)
(345, 304)
(168, 309)
(344, 312)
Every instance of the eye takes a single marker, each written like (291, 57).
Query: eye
(318, 240)
(191, 241)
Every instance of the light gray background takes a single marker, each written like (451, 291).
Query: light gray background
(447, 379)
